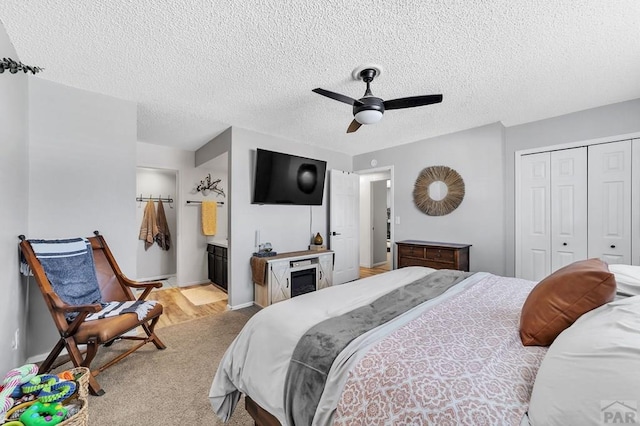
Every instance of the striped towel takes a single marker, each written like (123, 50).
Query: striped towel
(112, 309)
(70, 269)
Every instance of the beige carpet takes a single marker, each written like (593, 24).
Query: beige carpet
(169, 387)
(204, 294)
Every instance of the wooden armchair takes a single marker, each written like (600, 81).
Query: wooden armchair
(114, 286)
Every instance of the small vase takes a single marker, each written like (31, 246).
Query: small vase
(317, 240)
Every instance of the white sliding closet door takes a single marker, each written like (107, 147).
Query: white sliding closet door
(635, 202)
(610, 202)
(568, 206)
(535, 235)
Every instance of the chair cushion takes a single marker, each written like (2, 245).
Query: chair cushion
(109, 328)
(559, 299)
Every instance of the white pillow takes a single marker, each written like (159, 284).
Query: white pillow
(627, 279)
(591, 373)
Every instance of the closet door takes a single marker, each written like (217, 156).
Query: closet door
(610, 202)
(535, 216)
(635, 202)
(568, 206)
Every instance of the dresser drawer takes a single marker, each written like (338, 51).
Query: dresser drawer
(411, 251)
(433, 255)
(440, 255)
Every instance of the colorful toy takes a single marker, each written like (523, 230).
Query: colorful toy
(43, 414)
(40, 382)
(12, 380)
(57, 392)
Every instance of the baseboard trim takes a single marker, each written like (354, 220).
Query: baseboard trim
(243, 305)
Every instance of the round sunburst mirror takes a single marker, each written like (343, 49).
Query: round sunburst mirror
(438, 190)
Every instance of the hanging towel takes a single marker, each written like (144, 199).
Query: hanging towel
(163, 238)
(209, 217)
(149, 227)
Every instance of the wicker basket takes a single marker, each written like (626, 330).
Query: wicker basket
(81, 418)
(82, 378)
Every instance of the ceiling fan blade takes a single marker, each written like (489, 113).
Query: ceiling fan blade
(413, 101)
(336, 96)
(353, 126)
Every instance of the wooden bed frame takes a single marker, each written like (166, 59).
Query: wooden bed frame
(261, 417)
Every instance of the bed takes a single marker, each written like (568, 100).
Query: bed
(353, 355)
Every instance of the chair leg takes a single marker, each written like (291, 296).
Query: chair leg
(148, 328)
(78, 361)
(53, 355)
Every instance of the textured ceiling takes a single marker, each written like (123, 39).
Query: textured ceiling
(197, 67)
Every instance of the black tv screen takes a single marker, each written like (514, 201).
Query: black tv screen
(288, 179)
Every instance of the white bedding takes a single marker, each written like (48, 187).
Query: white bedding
(256, 363)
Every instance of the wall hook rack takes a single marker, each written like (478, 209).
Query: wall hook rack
(169, 200)
(208, 185)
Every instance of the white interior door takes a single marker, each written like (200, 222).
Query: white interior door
(568, 206)
(344, 199)
(610, 202)
(535, 211)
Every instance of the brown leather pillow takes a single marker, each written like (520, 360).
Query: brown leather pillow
(559, 299)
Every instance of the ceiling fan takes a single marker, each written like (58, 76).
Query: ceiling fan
(369, 109)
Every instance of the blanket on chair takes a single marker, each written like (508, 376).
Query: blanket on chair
(71, 271)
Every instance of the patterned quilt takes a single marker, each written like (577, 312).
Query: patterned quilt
(459, 363)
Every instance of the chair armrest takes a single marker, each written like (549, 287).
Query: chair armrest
(64, 307)
(135, 284)
(83, 311)
(147, 286)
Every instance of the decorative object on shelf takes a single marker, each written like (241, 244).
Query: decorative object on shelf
(438, 190)
(265, 250)
(208, 185)
(317, 240)
(15, 66)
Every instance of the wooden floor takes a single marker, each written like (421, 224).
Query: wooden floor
(178, 309)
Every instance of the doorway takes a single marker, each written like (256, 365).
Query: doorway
(376, 228)
(157, 261)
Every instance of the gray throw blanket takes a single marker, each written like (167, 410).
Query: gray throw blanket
(70, 269)
(317, 349)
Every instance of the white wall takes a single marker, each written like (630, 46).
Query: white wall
(478, 156)
(14, 177)
(154, 262)
(81, 178)
(288, 228)
(606, 121)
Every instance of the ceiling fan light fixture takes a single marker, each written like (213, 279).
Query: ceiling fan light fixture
(368, 116)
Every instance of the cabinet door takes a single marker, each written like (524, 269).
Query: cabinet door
(325, 263)
(610, 202)
(568, 206)
(535, 216)
(279, 281)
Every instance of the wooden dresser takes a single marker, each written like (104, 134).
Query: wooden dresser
(434, 255)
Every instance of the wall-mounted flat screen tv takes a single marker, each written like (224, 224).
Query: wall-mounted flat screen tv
(288, 179)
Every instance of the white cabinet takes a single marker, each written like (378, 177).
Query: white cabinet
(325, 270)
(278, 280)
(576, 204)
(292, 274)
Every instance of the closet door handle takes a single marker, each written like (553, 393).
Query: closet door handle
(613, 246)
(564, 244)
